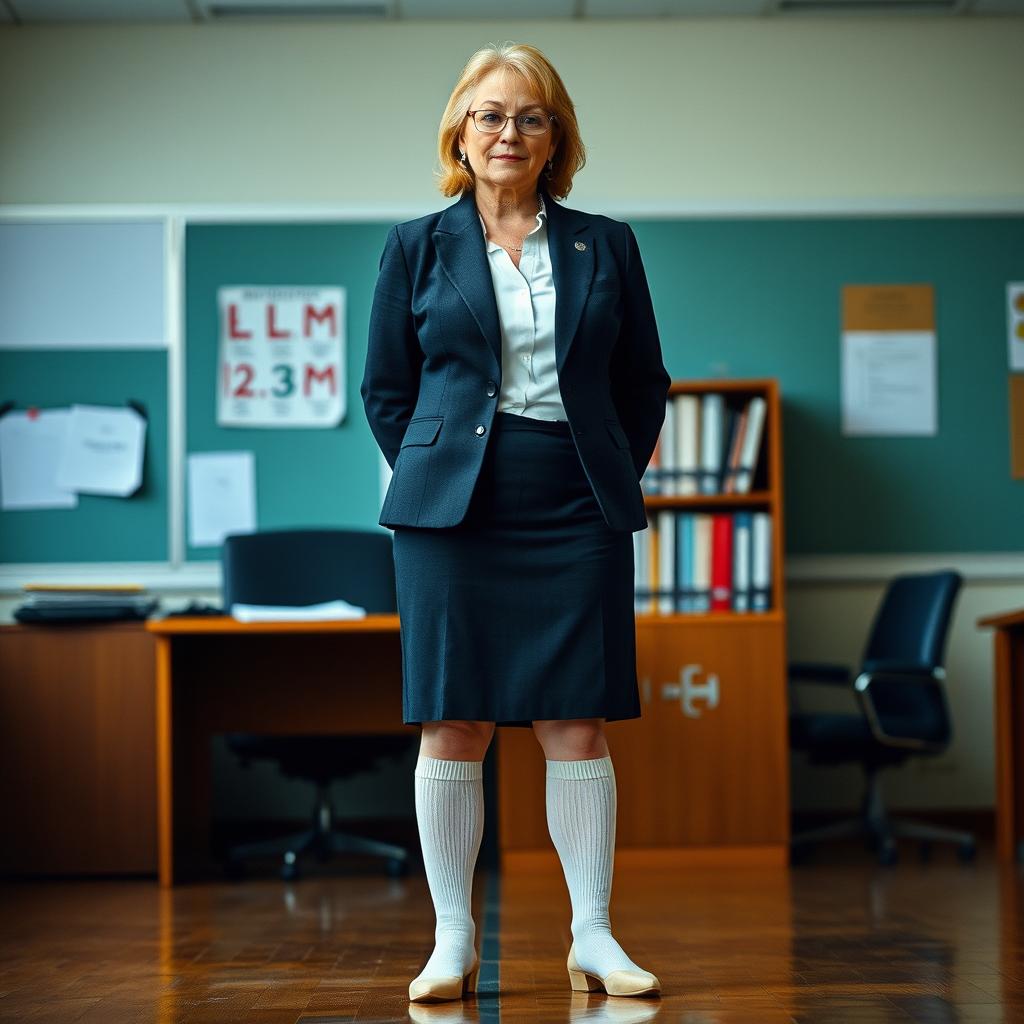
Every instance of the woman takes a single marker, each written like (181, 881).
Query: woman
(515, 384)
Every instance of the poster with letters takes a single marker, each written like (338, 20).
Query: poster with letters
(282, 356)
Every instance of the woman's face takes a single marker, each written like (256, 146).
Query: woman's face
(506, 94)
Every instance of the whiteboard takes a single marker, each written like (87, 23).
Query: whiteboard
(82, 284)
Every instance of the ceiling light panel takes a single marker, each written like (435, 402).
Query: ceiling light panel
(473, 9)
(673, 8)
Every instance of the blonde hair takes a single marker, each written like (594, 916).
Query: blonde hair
(544, 81)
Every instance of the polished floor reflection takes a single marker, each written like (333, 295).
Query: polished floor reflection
(846, 941)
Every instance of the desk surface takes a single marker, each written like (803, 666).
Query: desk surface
(193, 624)
(1003, 619)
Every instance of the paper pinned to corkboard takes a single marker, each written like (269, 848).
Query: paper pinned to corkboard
(888, 371)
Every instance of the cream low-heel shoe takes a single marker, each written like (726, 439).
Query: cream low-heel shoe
(618, 983)
(437, 990)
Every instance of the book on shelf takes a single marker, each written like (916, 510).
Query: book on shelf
(706, 446)
(694, 562)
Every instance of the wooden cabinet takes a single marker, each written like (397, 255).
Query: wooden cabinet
(77, 749)
(711, 747)
(703, 775)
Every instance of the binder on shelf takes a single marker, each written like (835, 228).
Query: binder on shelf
(700, 562)
(761, 564)
(706, 447)
(666, 561)
(741, 562)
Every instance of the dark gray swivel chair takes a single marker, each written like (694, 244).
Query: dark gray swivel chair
(900, 689)
(303, 567)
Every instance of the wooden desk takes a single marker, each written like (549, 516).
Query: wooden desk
(1009, 729)
(77, 769)
(216, 675)
(706, 783)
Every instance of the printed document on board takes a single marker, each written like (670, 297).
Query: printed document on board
(221, 496)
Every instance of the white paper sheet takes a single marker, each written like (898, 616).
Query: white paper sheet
(221, 496)
(325, 611)
(888, 382)
(1015, 323)
(30, 448)
(103, 450)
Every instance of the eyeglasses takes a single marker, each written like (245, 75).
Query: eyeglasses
(492, 121)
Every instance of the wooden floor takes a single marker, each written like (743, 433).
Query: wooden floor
(822, 942)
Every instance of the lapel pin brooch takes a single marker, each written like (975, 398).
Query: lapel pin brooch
(582, 246)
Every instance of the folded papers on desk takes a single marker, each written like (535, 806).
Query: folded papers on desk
(338, 609)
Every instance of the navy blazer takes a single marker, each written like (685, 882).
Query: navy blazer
(433, 361)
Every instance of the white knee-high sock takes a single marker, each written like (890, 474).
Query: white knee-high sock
(581, 807)
(450, 818)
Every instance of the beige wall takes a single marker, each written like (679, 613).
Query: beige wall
(716, 114)
(671, 111)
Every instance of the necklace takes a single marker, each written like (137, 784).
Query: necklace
(514, 248)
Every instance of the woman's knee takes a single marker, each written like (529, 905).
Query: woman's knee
(456, 740)
(571, 739)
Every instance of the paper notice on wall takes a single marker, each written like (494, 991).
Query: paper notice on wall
(103, 450)
(1015, 323)
(221, 496)
(282, 357)
(888, 364)
(30, 447)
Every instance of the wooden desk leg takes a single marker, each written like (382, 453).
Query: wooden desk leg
(1007, 754)
(164, 763)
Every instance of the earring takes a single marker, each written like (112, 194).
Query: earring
(549, 169)
(462, 157)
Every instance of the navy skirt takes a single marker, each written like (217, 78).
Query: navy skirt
(524, 610)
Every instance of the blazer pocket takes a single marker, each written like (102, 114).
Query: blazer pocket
(618, 434)
(422, 431)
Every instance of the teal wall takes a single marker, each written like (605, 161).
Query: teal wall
(761, 297)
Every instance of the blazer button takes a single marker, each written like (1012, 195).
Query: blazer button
(481, 429)
(492, 389)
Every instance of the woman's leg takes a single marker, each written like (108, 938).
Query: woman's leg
(450, 818)
(581, 808)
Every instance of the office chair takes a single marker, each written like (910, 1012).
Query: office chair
(900, 689)
(302, 567)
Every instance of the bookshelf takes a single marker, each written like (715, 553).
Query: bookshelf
(764, 495)
(703, 775)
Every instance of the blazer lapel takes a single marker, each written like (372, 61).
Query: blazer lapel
(571, 245)
(462, 252)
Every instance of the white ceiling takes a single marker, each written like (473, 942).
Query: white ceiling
(48, 12)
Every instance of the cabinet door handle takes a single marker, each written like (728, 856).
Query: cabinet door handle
(687, 692)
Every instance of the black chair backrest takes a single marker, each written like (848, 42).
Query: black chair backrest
(309, 566)
(912, 623)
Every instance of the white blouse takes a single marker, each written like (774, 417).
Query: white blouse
(526, 310)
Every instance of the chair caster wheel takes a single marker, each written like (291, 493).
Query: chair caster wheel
(888, 852)
(966, 851)
(290, 867)
(396, 867)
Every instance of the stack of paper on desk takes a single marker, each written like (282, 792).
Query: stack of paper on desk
(338, 609)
